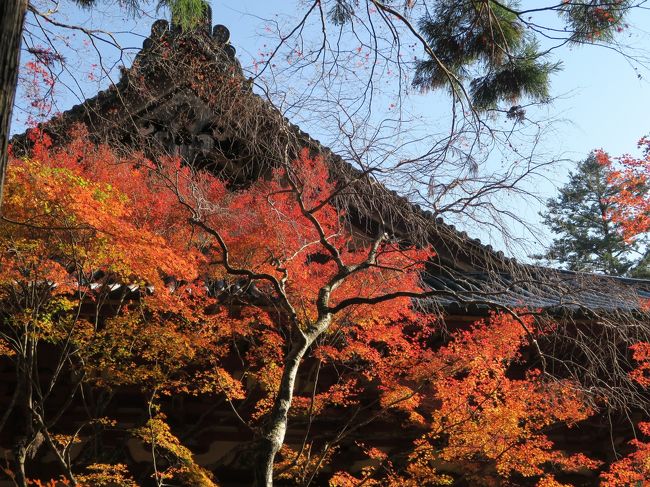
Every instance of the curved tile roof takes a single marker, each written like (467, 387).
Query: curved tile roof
(467, 273)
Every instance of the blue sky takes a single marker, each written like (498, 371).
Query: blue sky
(601, 102)
(599, 96)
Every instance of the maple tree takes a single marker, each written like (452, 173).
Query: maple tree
(631, 203)
(486, 422)
(319, 319)
(630, 211)
(60, 229)
(634, 468)
(145, 273)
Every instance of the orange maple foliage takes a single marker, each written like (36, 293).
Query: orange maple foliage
(80, 221)
(632, 200)
(634, 468)
(78, 209)
(488, 415)
(632, 210)
(484, 422)
(207, 267)
(80, 225)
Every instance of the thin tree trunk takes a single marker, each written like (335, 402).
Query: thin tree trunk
(23, 419)
(274, 433)
(12, 17)
(276, 429)
(20, 456)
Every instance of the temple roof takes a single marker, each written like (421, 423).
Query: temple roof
(161, 105)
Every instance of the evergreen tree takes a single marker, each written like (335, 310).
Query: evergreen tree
(587, 238)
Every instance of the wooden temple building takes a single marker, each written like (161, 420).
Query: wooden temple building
(156, 107)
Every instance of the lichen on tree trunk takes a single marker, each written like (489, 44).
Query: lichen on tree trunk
(276, 428)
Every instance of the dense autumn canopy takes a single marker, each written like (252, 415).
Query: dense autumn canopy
(162, 323)
(215, 288)
(631, 204)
